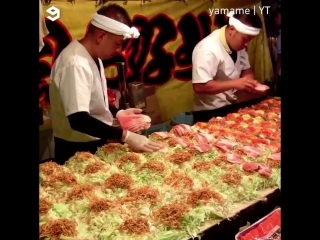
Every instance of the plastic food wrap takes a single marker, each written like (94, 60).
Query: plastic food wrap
(268, 228)
(135, 123)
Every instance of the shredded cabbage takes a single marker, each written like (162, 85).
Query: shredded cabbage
(105, 225)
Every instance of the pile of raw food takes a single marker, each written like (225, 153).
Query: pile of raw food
(201, 174)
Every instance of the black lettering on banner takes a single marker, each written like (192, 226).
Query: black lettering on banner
(193, 29)
(58, 38)
(162, 62)
(205, 23)
(137, 50)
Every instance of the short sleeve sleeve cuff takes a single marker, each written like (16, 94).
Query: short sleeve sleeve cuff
(75, 88)
(244, 60)
(204, 65)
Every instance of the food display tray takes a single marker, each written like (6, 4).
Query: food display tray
(267, 228)
(229, 227)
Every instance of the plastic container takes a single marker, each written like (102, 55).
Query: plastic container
(182, 118)
(157, 128)
(267, 228)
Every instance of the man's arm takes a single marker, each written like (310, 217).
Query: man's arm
(213, 87)
(247, 73)
(204, 69)
(246, 68)
(83, 122)
(75, 92)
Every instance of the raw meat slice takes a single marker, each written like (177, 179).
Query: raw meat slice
(261, 87)
(275, 156)
(146, 118)
(183, 142)
(251, 151)
(199, 138)
(135, 122)
(228, 142)
(209, 137)
(275, 147)
(182, 129)
(264, 170)
(147, 121)
(225, 144)
(250, 167)
(164, 150)
(258, 141)
(203, 138)
(163, 135)
(234, 158)
(264, 173)
(202, 147)
(264, 166)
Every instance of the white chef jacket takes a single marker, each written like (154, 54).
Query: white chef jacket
(77, 85)
(211, 61)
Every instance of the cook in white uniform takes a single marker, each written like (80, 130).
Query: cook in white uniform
(81, 115)
(221, 65)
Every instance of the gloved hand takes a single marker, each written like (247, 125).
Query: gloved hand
(128, 112)
(142, 143)
(131, 119)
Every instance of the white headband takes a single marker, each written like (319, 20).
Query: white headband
(240, 27)
(113, 26)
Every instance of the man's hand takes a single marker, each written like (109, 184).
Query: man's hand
(260, 89)
(247, 73)
(128, 112)
(245, 83)
(257, 92)
(141, 143)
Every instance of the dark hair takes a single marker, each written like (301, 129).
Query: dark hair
(112, 11)
(249, 17)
